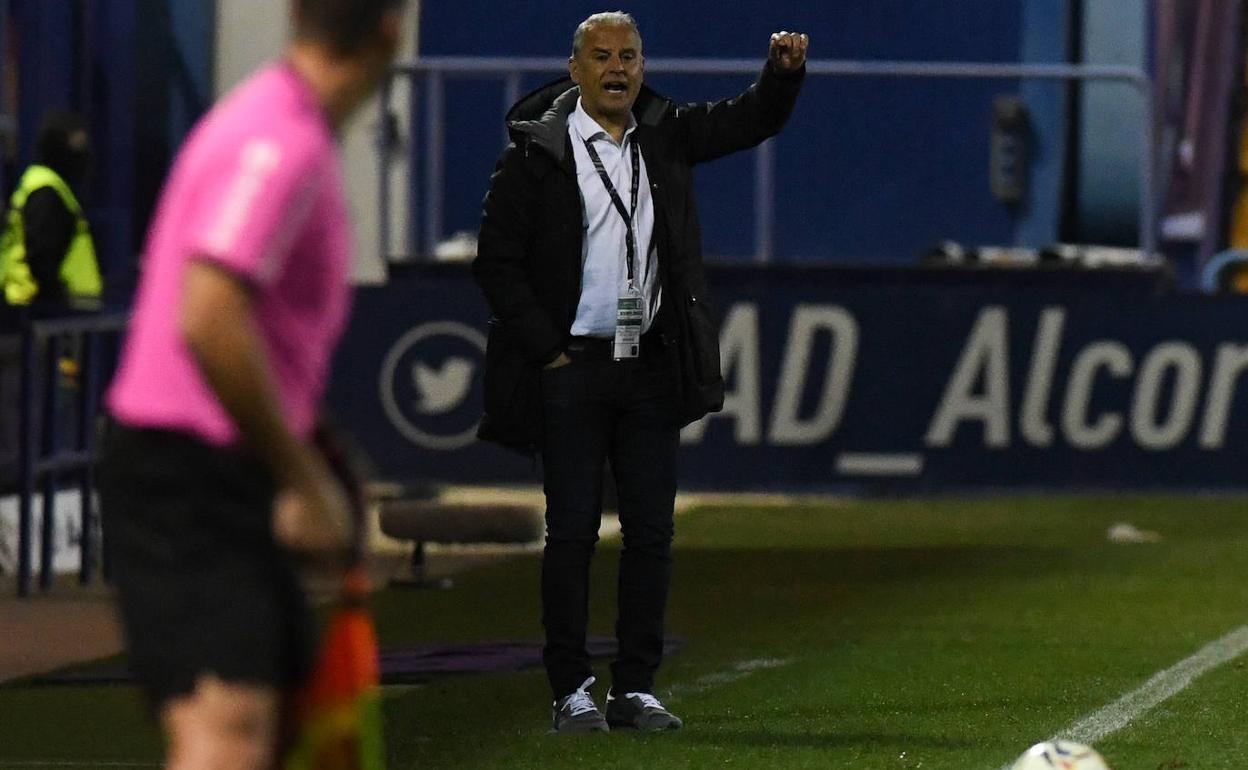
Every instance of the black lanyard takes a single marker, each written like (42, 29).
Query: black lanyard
(627, 215)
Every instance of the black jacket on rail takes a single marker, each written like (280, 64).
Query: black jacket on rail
(529, 251)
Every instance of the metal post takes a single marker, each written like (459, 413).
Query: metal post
(1148, 181)
(108, 357)
(385, 151)
(511, 95)
(764, 201)
(26, 453)
(434, 168)
(411, 232)
(88, 375)
(51, 394)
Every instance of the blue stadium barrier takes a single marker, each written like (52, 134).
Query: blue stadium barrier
(851, 380)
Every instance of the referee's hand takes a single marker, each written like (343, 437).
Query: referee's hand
(314, 516)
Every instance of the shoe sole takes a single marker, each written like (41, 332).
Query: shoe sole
(580, 731)
(582, 728)
(634, 726)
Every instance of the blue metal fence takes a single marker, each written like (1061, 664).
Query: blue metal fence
(44, 464)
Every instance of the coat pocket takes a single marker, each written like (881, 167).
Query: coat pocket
(702, 383)
(703, 338)
(513, 394)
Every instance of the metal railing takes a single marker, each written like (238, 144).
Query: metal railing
(429, 74)
(42, 462)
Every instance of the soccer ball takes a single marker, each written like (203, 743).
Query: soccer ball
(1060, 755)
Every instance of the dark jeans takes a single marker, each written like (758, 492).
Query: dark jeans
(598, 410)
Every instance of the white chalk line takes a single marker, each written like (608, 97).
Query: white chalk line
(1160, 687)
(739, 671)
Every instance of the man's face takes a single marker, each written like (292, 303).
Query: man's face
(608, 69)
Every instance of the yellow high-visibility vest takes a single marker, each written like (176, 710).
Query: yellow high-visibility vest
(79, 270)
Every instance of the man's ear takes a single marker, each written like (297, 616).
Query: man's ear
(574, 70)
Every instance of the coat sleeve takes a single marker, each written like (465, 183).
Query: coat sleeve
(714, 129)
(502, 266)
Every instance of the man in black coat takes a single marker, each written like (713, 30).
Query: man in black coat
(602, 345)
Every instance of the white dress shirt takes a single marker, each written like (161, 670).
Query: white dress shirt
(604, 253)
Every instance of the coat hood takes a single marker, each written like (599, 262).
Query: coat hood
(541, 117)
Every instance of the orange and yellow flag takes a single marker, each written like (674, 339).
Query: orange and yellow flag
(338, 712)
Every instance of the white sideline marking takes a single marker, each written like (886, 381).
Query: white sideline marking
(1162, 686)
(739, 671)
(879, 463)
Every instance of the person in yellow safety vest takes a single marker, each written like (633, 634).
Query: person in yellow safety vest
(46, 252)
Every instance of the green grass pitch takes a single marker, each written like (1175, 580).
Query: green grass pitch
(889, 633)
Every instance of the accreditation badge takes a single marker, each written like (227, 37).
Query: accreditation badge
(628, 324)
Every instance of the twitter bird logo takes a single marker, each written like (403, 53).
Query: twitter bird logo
(427, 383)
(441, 390)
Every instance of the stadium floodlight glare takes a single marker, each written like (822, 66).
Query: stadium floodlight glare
(1060, 755)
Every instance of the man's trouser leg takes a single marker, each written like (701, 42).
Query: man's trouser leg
(643, 458)
(578, 420)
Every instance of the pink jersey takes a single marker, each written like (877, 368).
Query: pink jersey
(257, 189)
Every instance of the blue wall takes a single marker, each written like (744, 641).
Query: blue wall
(173, 87)
(139, 72)
(874, 170)
(75, 56)
(45, 34)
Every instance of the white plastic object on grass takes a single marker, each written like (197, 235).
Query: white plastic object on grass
(1122, 532)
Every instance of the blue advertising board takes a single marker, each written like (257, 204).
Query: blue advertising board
(840, 382)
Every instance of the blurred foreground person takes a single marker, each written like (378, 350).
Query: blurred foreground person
(209, 478)
(602, 344)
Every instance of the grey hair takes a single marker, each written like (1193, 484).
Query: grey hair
(609, 18)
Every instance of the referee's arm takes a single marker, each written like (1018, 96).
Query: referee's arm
(217, 322)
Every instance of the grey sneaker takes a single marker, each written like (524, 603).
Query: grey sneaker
(576, 713)
(641, 710)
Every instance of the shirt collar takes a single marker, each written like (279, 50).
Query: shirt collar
(301, 91)
(589, 130)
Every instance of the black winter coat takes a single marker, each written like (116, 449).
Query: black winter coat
(529, 250)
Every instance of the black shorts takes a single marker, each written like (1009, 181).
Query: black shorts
(202, 585)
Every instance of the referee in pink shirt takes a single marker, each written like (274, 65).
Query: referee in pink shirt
(209, 480)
